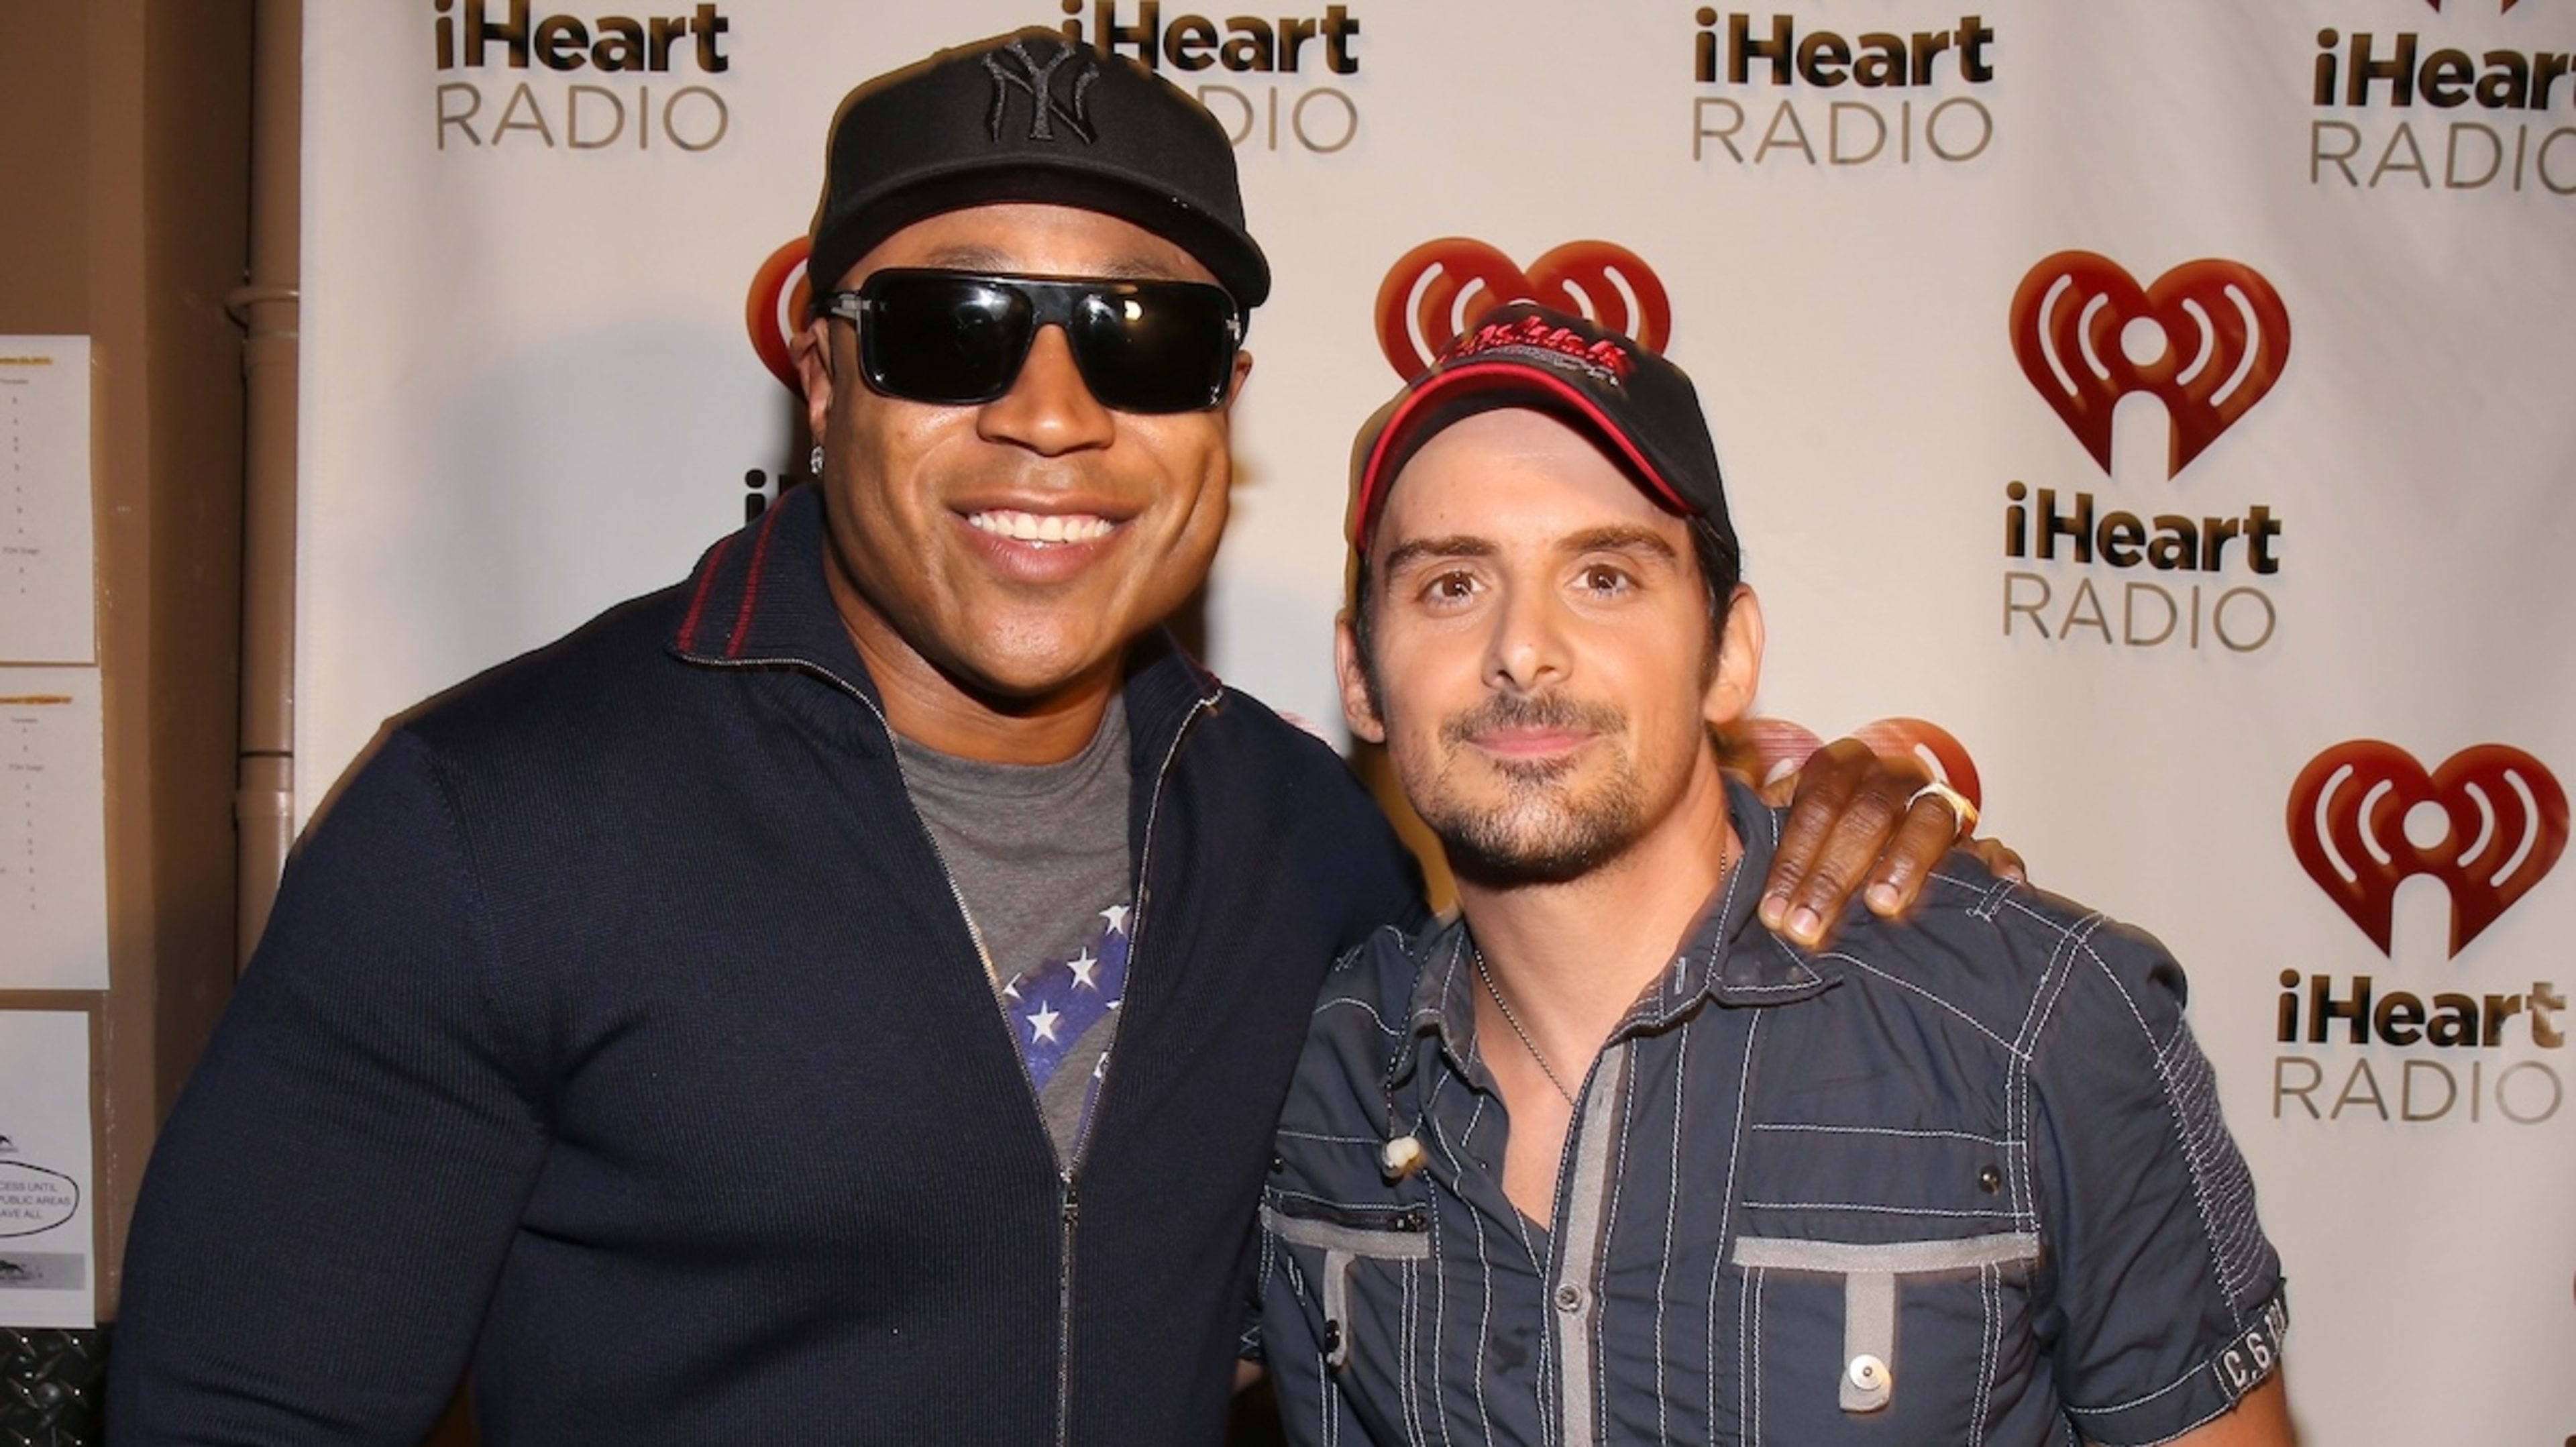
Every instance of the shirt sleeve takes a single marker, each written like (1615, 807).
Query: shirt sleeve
(331, 1201)
(2163, 1297)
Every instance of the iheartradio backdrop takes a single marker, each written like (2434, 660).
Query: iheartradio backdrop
(2166, 398)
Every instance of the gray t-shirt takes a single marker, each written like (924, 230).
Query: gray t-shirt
(1039, 855)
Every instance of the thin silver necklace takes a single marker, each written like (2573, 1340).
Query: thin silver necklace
(1514, 1021)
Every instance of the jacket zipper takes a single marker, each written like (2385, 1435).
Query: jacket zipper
(1067, 1172)
(1100, 1097)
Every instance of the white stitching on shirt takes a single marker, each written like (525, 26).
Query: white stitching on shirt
(1546, 1349)
(1873, 1210)
(1599, 1327)
(1937, 1256)
(1956, 1135)
(1365, 1008)
(1989, 1345)
(1743, 1350)
(1484, 1262)
(1990, 889)
(1725, 1223)
(2187, 1136)
(1282, 1193)
(1408, 1356)
(1753, 1381)
(1672, 1213)
(1331, 1140)
(1974, 1023)
(2023, 1098)
(1440, 1319)
(2206, 1364)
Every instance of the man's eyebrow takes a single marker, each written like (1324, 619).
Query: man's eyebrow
(1621, 540)
(1136, 268)
(967, 256)
(1405, 554)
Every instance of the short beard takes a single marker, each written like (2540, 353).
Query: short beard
(1537, 834)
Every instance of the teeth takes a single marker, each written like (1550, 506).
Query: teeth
(1030, 527)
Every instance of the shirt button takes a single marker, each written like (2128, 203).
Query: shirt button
(1867, 1372)
(1990, 1180)
(1569, 1298)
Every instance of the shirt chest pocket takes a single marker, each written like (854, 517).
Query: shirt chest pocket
(1338, 1241)
(1839, 1334)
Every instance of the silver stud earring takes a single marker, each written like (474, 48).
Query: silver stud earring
(814, 459)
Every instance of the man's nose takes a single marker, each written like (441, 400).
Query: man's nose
(1526, 650)
(1049, 409)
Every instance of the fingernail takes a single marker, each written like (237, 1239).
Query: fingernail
(1775, 908)
(1806, 926)
(1882, 898)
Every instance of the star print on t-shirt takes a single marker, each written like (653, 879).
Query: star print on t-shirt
(1053, 1005)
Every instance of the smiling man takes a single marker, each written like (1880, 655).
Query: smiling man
(844, 996)
(1607, 1159)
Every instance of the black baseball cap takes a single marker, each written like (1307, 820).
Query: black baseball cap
(1032, 116)
(1641, 408)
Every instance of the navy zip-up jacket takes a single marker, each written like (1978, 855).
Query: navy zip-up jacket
(617, 1034)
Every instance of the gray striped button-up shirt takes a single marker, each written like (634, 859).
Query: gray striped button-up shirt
(1960, 1180)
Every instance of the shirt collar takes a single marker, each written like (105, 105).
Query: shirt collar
(1727, 956)
(758, 597)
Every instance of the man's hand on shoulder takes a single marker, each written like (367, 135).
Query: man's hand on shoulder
(1860, 823)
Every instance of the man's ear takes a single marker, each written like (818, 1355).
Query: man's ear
(1738, 675)
(1359, 710)
(812, 350)
(1242, 375)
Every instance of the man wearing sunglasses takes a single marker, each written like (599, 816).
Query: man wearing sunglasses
(845, 996)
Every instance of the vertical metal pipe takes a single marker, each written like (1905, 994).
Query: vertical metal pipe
(264, 798)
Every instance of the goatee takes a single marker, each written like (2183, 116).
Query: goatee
(1541, 832)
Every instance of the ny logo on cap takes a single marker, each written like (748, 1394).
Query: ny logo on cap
(1039, 82)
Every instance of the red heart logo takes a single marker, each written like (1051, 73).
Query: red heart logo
(1781, 747)
(2507, 821)
(1441, 288)
(775, 311)
(2224, 339)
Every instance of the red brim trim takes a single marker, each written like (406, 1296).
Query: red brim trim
(1485, 379)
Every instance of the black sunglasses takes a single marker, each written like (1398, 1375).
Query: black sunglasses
(958, 338)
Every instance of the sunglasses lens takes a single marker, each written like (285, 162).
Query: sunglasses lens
(1156, 348)
(947, 339)
(958, 339)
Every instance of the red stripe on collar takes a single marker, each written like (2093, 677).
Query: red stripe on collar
(751, 583)
(688, 638)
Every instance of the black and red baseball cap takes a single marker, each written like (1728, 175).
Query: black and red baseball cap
(1641, 408)
(1033, 116)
